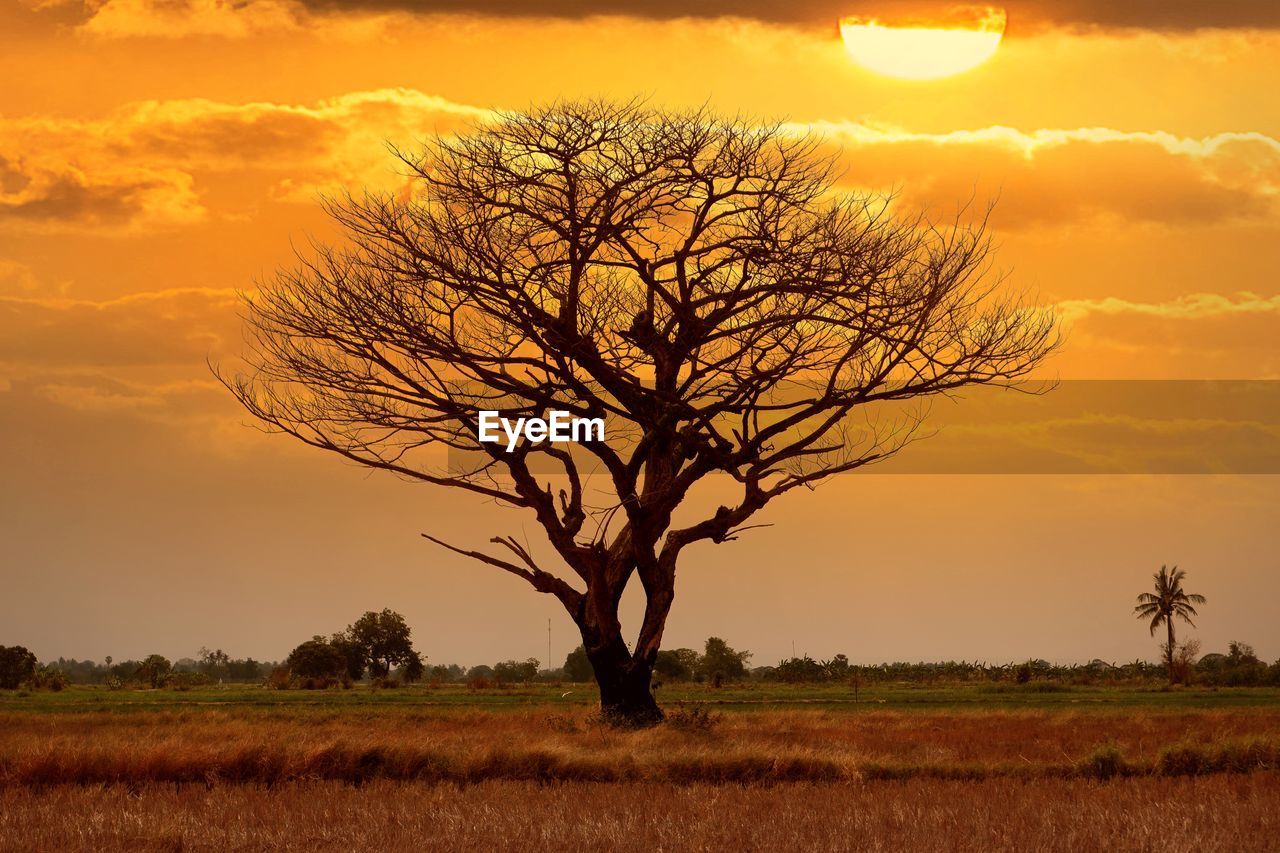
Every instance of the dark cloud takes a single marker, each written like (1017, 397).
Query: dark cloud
(1164, 15)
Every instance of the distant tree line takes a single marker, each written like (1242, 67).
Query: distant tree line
(378, 647)
(1240, 667)
(18, 667)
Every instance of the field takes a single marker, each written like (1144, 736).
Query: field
(977, 767)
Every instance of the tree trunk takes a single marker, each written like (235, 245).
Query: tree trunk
(626, 691)
(1169, 649)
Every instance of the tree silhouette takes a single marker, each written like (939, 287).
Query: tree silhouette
(316, 658)
(384, 638)
(700, 282)
(1168, 600)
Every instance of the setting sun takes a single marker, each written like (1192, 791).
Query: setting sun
(924, 50)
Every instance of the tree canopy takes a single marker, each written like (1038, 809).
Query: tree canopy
(703, 283)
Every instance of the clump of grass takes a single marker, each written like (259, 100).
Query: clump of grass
(694, 720)
(1233, 756)
(1105, 762)
(562, 724)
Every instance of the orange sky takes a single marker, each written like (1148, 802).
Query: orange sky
(157, 156)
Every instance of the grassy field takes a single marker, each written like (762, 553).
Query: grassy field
(1012, 767)
(1036, 694)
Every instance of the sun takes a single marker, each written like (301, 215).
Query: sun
(925, 50)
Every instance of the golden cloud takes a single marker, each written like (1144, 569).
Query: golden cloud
(169, 327)
(42, 190)
(139, 168)
(1196, 335)
(141, 165)
(232, 19)
(17, 278)
(178, 18)
(1191, 306)
(1053, 176)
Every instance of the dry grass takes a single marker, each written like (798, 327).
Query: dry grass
(210, 746)
(1218, 813)
(546, 779)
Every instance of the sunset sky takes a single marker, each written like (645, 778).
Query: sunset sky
(157, 156)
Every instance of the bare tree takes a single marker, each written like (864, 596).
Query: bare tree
(700, 282)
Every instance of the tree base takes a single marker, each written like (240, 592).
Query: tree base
(626, 700)
(631, 716)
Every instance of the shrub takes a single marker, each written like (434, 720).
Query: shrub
(186, 680)
(693, 720)
(48, 678)
(1184, 759)
(279, 678)
(1240, 756)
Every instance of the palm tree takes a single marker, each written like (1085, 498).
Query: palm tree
(1168, 600)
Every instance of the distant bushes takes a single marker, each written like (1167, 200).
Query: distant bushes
(1239, 667)
(516, 672)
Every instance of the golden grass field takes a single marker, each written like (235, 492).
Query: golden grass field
(1188, 815)
(259, 775)
(212, 746)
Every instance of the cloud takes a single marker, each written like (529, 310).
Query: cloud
(242, 18)
(1168, 15)
(140, 167)
(232, 19)
(1194, 335)
(169, 327)
(17, 278)
(154, 163)
(172, 402)
(174, 18)
(1192, 306)
(338, 140)
(1109, 426)
(1055, 176)
(41, 189)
